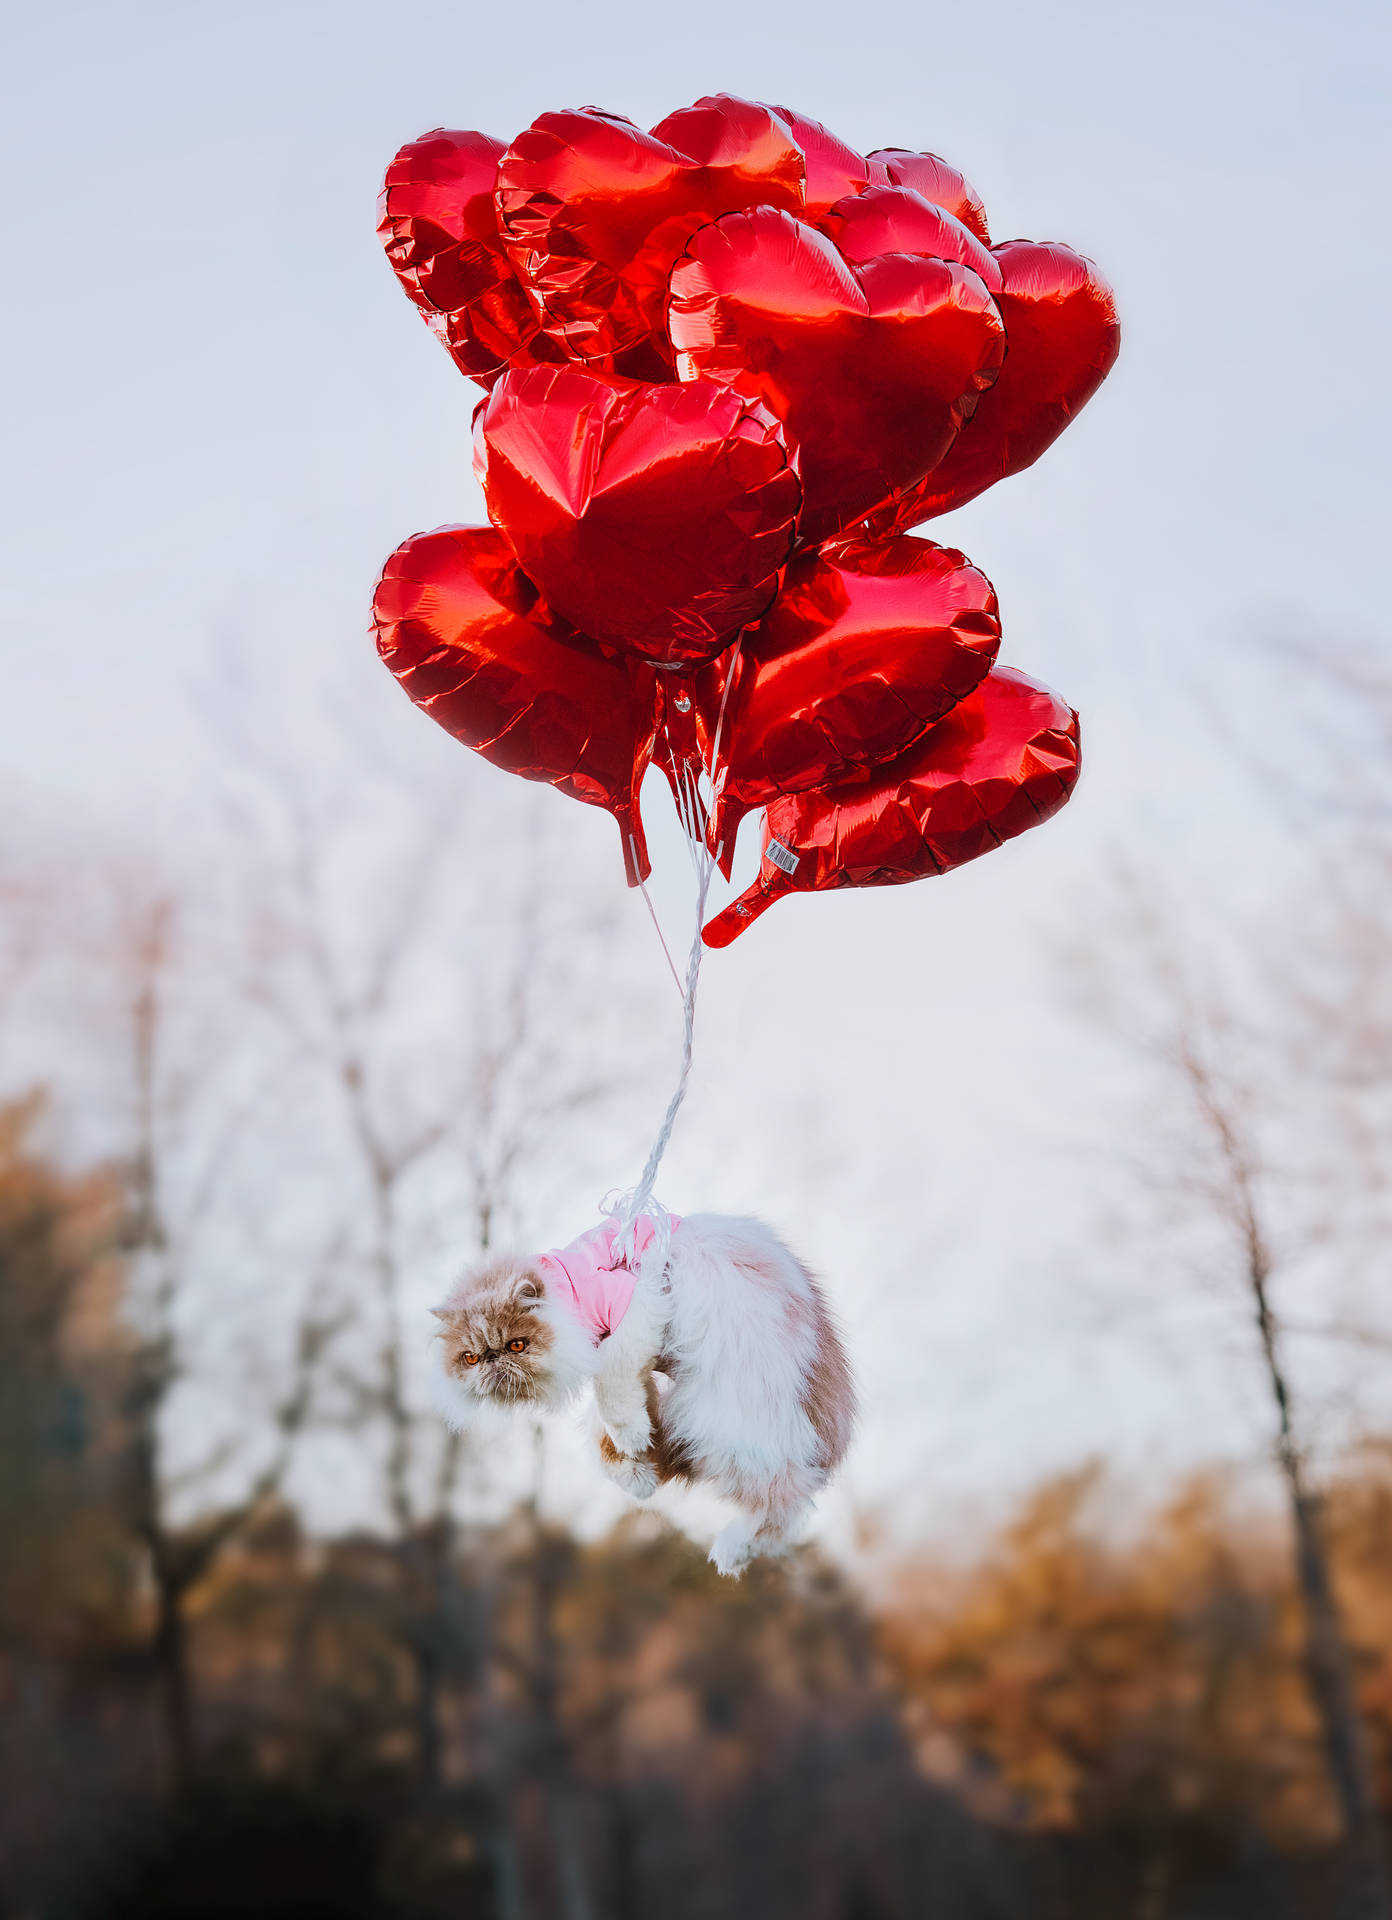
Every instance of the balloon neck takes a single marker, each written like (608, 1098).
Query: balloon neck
(637, 865)
(726, 927)
(681, 739)
(724, 827)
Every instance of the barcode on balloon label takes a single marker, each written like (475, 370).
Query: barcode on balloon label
(781, 856)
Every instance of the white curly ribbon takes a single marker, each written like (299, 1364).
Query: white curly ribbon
(629, 1208)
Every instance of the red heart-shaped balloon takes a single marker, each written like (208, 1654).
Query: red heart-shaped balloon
(468, 637)
(831, 168)
(936, 181)
(594, 211)
(751, 146)
(439, 225)
(1062, 338)
(871, 368)
(898, 220)
(1003, 760)
(865, 646)
(653, 518)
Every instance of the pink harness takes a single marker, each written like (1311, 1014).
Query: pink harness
(585, 1274)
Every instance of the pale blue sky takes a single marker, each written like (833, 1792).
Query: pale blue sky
(222, 414)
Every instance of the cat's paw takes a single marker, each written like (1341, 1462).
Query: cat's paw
(637, 1477)
(630, 1436)
(732, 1549)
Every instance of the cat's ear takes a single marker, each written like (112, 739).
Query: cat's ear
(530, 1287)
(443, 1313)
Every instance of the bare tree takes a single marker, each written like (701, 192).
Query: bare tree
(184, 1122)
(454, 1028)
(1237, 1141)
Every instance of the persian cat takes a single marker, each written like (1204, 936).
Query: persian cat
(718, 1364)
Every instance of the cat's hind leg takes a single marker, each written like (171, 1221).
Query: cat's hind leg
(766, 1527)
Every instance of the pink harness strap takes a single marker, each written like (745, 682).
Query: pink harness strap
(585, 1274)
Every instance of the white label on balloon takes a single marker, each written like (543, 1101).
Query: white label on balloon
(781, 856)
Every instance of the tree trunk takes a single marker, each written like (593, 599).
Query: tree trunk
(170, 1650)
(552, 1749)
(1328, 1667)
(1328, 1670)
(1155, 1885)
(550, 1746)
(624, 1829)
(568, 1848)
(440, 1632)
(509, 1891)
(509, 1896)
(430, 1777)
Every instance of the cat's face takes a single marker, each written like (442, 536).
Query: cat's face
(498, 1340)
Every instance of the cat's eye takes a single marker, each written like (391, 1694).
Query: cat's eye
(469, 1359)
(517, 1346)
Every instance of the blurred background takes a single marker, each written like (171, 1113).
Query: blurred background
(300, 1008)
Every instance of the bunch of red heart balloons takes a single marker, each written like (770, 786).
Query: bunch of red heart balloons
(728, 364)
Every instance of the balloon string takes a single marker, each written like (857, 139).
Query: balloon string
(657, 929)
(720, 717)
(691, 812)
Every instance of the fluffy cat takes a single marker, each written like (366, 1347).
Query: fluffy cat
(718, 1364)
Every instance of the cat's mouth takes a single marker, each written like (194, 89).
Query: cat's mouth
(508, 1383)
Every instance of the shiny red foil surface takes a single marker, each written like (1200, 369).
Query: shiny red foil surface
(475, 647)
(936, 181)
(1003, 760)
(594, 211)
(872, 367)
(655, 519)
(897, 220)
(867, 645)
(1060, 319)
(437, 221)
(731, 362)
(831, 169)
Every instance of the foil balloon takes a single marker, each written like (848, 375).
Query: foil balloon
(872, 367)
(866, 646)
(898, 220)
(438, 223)
(472, 643)
(731, 362)
(654, 518)
(1002, 761)
(1061, 323)
(935, 180)
(831, 169)
(594, 211)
